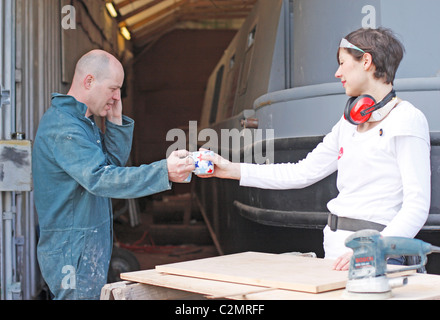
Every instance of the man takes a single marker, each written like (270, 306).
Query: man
(77, 169)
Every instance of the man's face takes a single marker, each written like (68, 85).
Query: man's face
(105, 93)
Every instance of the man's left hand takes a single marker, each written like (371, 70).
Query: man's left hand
(115, 113)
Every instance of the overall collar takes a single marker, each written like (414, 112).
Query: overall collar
(69, 104)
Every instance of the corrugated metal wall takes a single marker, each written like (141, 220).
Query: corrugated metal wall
(44, 53)
(38, 62)
(37, 74)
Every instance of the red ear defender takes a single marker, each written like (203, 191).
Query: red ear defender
(358, 110)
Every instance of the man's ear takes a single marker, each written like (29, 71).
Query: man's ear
(88, 81)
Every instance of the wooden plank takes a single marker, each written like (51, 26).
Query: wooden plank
(251, 275)
(137, 291)
(209, 288)
(266, 270)
(419, 287)
(107, 290)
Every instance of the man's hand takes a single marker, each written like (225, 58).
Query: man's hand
(115, 113)
(180, 166)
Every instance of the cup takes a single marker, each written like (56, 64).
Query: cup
(203, 167)
(188, 180)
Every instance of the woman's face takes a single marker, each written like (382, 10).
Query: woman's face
(352, 74)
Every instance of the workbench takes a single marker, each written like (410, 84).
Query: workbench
(222, 277)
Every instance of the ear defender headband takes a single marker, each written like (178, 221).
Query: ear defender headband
(359, 109)
(348, 45)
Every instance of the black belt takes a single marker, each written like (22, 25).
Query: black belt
(349, 224)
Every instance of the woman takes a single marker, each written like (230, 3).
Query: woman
(380, 148)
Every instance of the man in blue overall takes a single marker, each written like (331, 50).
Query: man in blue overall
(77, 169)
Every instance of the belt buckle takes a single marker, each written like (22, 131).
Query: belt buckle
(333, 222)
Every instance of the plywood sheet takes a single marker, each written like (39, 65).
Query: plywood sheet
(266, 270)
(209, 288)
(420, 286)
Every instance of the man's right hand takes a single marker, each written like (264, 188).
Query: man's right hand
(180, 166)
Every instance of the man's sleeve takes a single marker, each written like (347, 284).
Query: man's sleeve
(85, 162)
(118, 141)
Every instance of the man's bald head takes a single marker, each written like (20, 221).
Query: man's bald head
(97, 82)
(98, 63)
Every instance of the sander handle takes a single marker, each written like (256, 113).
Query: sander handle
(397, 246)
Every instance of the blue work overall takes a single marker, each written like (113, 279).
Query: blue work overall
(77, 169)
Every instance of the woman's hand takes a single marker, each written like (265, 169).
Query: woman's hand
(223, 168)
(343, 262)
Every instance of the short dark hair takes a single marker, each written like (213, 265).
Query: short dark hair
(387, 51)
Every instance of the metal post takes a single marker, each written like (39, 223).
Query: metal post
(2, 261)
(7, 222)
(8, 123)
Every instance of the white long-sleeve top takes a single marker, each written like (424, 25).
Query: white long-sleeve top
(384, 174)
